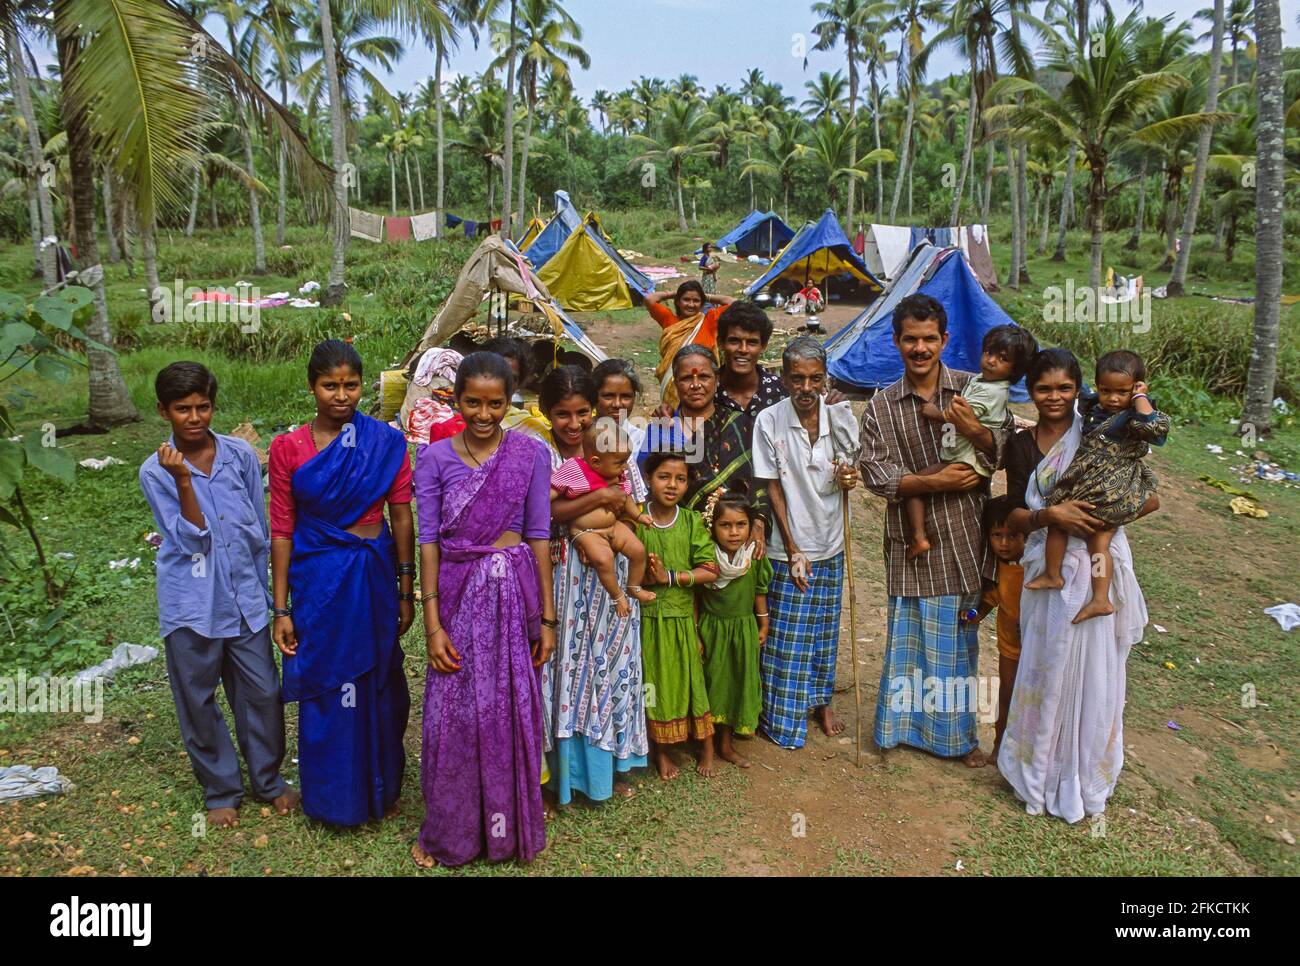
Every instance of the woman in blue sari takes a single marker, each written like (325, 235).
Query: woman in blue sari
(342, 584)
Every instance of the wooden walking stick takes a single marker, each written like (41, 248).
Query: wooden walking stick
(853, 630)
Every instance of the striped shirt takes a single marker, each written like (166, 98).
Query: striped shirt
(897, 440)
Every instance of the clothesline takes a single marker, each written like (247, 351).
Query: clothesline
(422, 227)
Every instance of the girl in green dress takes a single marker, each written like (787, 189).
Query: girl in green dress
(679, 556)
(733, 623)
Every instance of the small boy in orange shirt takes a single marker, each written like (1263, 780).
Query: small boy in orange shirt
(1004, 594)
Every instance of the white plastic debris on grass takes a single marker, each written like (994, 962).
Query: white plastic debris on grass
(24, 781)
(126, 563)
(308, 287)
(1214, 447)
(1280, 405)
(124, 655)
(1287, 615)
(91, 463)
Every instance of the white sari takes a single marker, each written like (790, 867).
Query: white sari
(1064, 744)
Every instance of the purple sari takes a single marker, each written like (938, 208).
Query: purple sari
(482, 759)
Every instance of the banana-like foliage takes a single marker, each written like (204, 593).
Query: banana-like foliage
(139, 75)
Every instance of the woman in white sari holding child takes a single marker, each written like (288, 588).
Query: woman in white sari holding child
(1064, 743)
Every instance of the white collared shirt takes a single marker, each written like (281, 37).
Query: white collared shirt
(805, 467)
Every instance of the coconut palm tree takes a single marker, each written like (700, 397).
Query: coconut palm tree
(600, 103)
(545, 41)
(483, 136)
(681, 133)
(780, 154)
(1178, 280)
(460, 91)
(1157, 46)
(147, 124)
(646, 93)
(826, 97)
(843, 20)
(19, 17)
(830, 152)
(1236, 31)
(1100, 107)
(876, 58)
(687, 87)
(909, 18)
(1260, 378)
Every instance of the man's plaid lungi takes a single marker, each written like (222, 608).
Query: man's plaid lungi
(798, 661)
(929, 653)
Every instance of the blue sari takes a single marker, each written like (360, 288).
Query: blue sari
(347, 675)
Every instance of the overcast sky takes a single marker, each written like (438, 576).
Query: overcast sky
(720, 40)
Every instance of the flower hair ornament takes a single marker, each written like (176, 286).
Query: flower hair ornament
(711, 506)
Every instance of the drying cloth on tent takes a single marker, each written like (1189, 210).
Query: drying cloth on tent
(894, 243)
(437, 362)
(425, 226)
(24, 781)
(974, 241)
(397, 228)
(365, 224)
(941, 237)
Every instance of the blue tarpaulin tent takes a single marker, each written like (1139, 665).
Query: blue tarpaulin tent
(863, 354)
(562, 224)
(757, 234)
(818, 250)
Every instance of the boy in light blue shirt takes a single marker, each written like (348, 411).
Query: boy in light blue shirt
(205, 491)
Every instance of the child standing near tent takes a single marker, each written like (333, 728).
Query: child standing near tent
(601, 533)
(681, 557)
(709, 265)
(1004, 358)
(733, 622)
(1008, 546)
(1119, 426)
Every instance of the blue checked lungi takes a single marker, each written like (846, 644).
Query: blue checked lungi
(929, 659)
(798, 661)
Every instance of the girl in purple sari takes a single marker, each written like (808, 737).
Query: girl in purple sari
(489, 621)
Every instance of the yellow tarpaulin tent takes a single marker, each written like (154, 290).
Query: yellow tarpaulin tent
(587, 274)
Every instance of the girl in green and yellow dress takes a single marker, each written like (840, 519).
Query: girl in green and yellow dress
(679, 557)
(733, 622)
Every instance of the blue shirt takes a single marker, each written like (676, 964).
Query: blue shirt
(210, 579)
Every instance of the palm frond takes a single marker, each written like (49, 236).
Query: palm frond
(131, 78)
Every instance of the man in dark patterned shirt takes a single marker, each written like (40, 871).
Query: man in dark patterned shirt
(929, 686)
(744, 386)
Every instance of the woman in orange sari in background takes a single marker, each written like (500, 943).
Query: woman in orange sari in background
(687, 322)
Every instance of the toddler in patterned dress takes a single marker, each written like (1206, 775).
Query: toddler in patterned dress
(1119, 426)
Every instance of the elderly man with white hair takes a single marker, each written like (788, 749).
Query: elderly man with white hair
(804, 449)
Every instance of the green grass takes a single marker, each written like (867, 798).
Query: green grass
(136, 795)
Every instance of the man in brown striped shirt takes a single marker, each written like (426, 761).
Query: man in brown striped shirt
(928, 690)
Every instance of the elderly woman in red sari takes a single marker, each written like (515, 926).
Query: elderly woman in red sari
(489, 619)
(352, 595)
